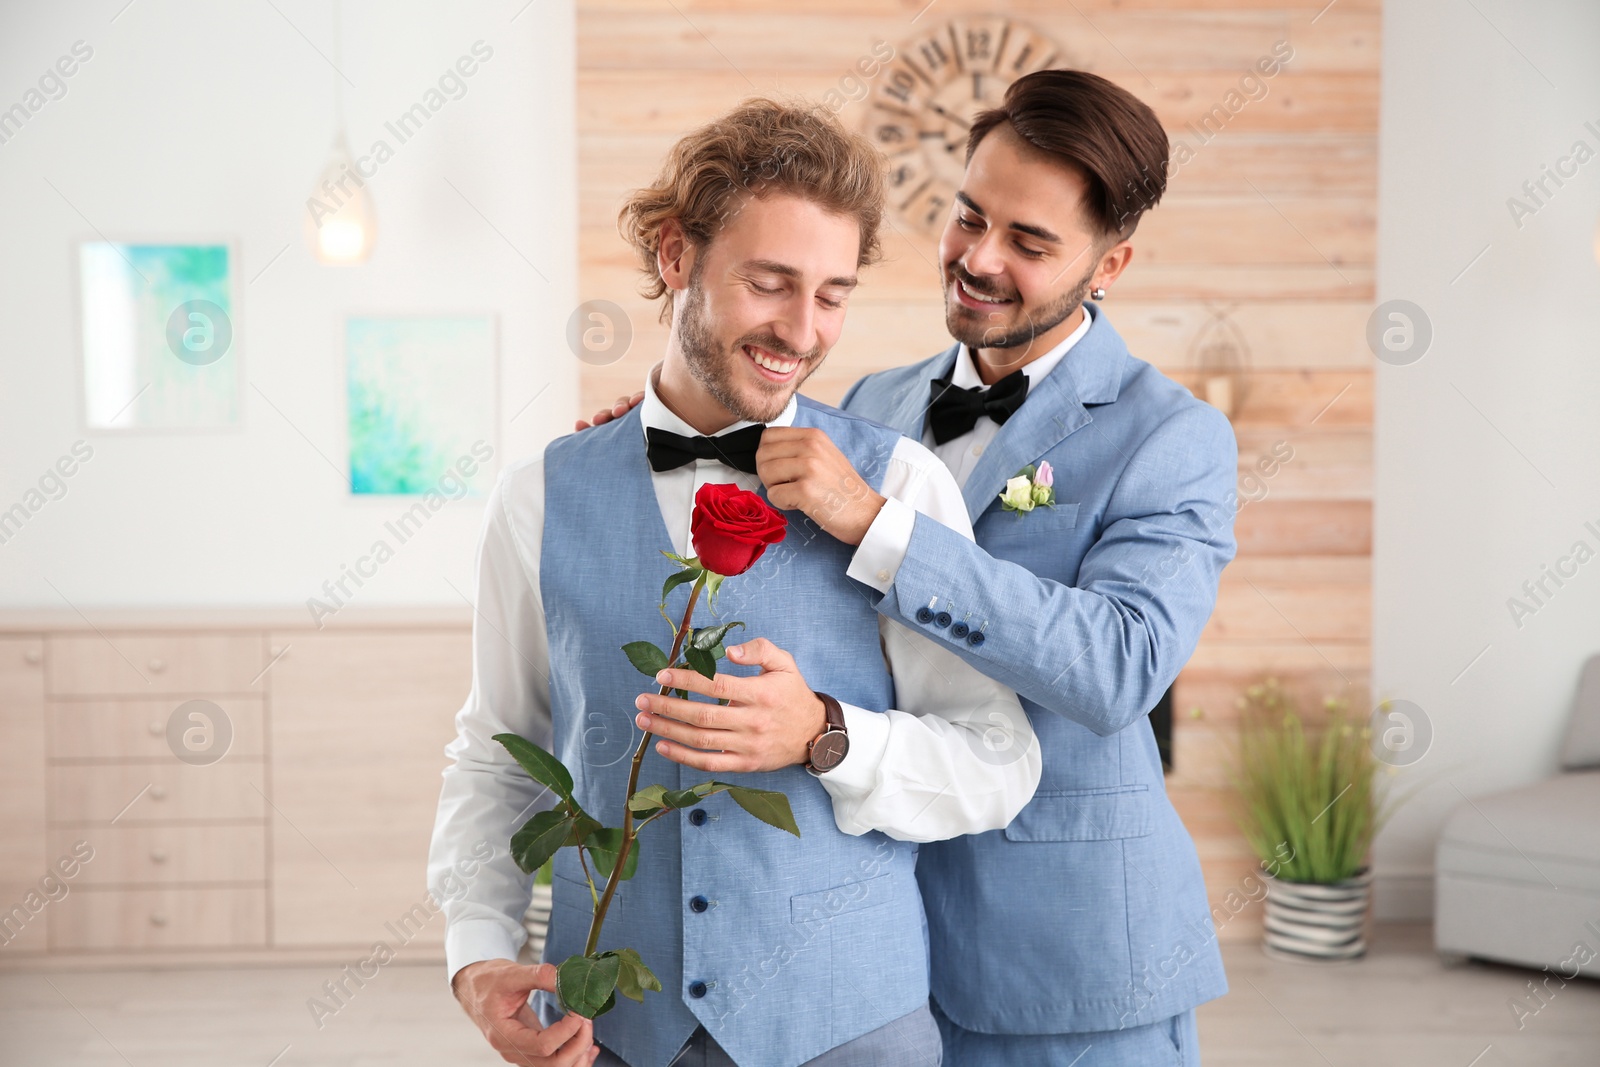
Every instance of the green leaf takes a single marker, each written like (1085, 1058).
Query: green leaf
(709, 637)
(702, 661)
(770, 807)
(713, 585)
(586, 984)
(719, 652)
(541, 766)
(681, 798)
(682, 561)
(646, 658)
(604, 845)
(648, 799)
(633, 977)
(681, 694)
(540, 838)
(676, 579)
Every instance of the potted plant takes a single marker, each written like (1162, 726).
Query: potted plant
(1310, 807)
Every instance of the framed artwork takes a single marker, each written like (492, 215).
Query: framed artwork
(420, 398)
(159, 333)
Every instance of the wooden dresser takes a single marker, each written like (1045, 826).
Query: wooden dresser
(200, 784)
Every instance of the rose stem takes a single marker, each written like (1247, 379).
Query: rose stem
(633, 784)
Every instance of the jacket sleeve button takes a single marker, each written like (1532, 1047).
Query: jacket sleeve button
(924, 615)
(942, 619)
(975, 638)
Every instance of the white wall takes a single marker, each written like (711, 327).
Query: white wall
(205, 119)
(1488, 449)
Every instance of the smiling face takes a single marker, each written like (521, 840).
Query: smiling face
(1019, 256)
(758, 308)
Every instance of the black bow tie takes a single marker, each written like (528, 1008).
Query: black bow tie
(668, 451)
(956, 410)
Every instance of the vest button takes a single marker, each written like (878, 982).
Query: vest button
(975, 638)
(924, 615)
(942, 619)
(698, 904)
(698, 816)
(697, 989)
(960, 630)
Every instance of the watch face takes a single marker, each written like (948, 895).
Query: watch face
(828, 751)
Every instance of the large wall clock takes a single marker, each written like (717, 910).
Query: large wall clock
(923, 103)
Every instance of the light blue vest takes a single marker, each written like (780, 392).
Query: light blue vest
(782, 948)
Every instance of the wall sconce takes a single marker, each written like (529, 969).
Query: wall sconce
(1220, 354)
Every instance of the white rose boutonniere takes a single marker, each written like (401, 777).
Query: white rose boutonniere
(1029, 488)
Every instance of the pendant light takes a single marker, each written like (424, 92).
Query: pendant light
(340, 224)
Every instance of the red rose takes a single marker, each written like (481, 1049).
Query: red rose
(731, 527)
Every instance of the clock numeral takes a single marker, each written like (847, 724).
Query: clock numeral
(900, 85)
(934, 56)
(890, 133)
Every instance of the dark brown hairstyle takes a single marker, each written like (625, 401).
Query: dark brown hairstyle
(758, 148)
(1105, 133)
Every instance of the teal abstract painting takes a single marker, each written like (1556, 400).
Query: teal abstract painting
(159, 344)
(419, 395)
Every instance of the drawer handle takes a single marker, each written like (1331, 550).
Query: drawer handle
(158, 792)
(157, 729)
(32, 656)
(158, 855)
(157, 664)
(157, 919)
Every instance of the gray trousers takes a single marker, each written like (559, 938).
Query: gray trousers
(909, 1041)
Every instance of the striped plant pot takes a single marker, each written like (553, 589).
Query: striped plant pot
(1318, 922)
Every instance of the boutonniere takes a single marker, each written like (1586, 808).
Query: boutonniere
(1028, 488)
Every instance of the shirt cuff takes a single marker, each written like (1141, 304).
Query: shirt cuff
(475, 940)
(883, 548)
(857, 774)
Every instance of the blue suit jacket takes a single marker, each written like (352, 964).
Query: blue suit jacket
(1088, 912)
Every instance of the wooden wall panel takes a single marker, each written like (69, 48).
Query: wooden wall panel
(1271, 222)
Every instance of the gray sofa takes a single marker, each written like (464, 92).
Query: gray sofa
(1518, 873)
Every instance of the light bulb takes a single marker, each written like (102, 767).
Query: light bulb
(340, 224)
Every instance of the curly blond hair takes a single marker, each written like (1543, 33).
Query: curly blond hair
(759, 148)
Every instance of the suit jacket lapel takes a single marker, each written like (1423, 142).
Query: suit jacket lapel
(910, 415)
(1090, 373)
(1050, 413)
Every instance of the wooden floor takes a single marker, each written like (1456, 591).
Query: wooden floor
(1399, 1006)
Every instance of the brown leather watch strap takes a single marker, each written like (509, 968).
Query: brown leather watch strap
(832, 713)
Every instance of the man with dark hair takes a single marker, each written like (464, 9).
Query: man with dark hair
(1102, 496)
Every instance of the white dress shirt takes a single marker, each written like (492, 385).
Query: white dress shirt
(877, 560)
(923, 772)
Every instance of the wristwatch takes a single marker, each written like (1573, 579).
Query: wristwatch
(829, 748)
